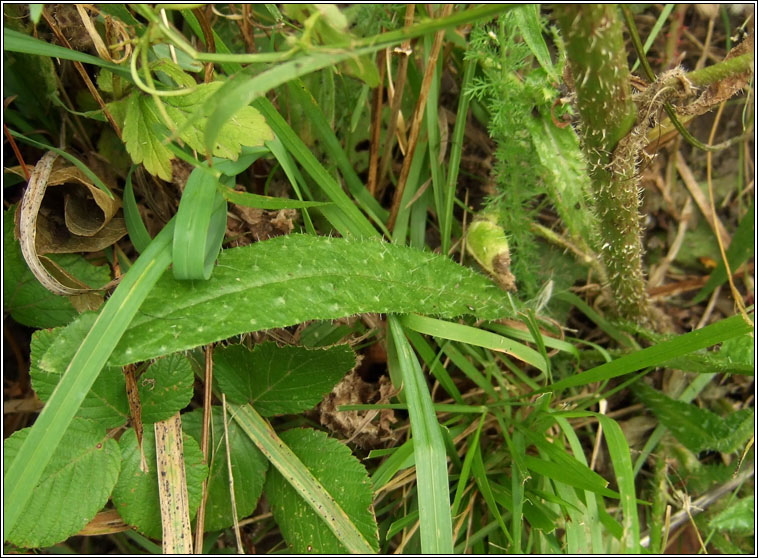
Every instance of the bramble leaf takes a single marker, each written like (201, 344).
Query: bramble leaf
(248, 466)
(135, 495)
(343, 477)
(69, 494)
(279, 380)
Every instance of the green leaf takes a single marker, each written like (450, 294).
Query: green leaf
(75, 485)
(248, 467)
(81, 372)
(293, 279)
(739, 517)
(136, 496)
(738, 351)
(341, 474)
(19, 42)
(200, 227)
(137, 230)
(280, 380)
(697, 429)
(106, 403)
(527, 18)
(662, 352)
(35, 12)
(142, 143)
(245, 126)
(428, 446)
(266, 202)
(30, 303)
(568, 182)
(165, 388)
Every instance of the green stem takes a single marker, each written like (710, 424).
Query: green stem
(595, 49)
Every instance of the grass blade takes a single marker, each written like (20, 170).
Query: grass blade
(14, 41)
(282, 457)
(26, 470)
(200, 227)
(428, 447)
(473, 336)
(657, 354)
(135, 227)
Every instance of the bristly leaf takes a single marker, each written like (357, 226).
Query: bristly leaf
(292, 279)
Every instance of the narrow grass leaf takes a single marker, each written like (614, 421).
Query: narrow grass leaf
(466, 468)
(266, 202)
(456, 151)
(474, 336)
(401, 458)
(357, 223)
(428, 447)
(14, 41)
(200, 227)
(658, 354)
(480, 475)
(301, 479)
(47, 432)
(336, 153)
(134, 225)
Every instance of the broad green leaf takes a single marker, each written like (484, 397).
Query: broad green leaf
(280, 380)
(697, 429)
(739, 517)
(738, 352)
(106, 403)
(30, 303)
(245, 126)
(292, 279)
(75, 485)
(308, 487)
(165, 388)
(135, 495)
(341, 474)
(248, 467)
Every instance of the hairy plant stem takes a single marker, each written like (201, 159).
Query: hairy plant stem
(595, 48)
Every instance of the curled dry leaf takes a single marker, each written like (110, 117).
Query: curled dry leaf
(76, 217)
